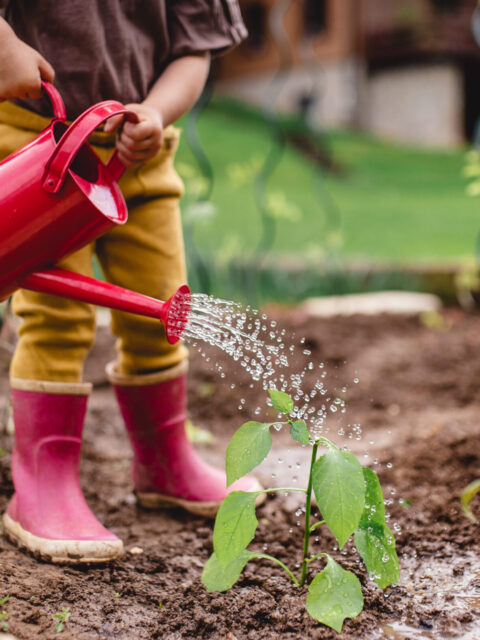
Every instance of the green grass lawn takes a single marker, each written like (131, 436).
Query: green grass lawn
(395, 203)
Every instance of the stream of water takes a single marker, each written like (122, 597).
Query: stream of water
(250, 338)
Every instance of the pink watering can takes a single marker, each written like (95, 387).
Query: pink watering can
(56, 197)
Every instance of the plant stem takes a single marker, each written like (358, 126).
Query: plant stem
(317, 524)
(319, 555)
(308, 508)
(326, 441)
(279, 562)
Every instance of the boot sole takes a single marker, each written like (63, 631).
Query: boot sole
(62, 551)
(206, 509)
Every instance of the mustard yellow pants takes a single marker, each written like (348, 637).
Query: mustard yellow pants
(146, 255)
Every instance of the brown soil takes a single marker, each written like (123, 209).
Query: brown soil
(417, 400)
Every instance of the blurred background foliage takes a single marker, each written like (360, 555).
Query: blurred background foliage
(379, 204)
(332, 152)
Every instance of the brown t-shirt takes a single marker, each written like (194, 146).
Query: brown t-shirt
(115, 49)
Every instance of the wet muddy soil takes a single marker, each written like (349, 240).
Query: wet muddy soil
(417, 401)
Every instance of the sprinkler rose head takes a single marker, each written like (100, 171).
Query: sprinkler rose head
(176, 313)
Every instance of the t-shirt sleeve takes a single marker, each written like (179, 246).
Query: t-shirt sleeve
(204, 25)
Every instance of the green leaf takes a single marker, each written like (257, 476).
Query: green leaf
(248, 447)
(235, 525)
(281, 401)
(218, 578)
(466, 497)
(333, 595)
(374, 510)
(373, 539)
(376, 545)
(340, 492)
(299, 432)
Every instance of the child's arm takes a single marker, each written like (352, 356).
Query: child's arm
(172, 95)
(21, 67)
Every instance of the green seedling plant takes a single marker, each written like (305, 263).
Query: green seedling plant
(349, 498)
(61, 619)
(3, 621)
(4, 614)
(467, 496)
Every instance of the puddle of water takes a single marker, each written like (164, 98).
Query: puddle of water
(471, 602)
(400, 631)
(450, 585)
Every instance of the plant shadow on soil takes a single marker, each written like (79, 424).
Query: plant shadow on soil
(417, 400)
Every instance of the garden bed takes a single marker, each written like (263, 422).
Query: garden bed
(418, 403)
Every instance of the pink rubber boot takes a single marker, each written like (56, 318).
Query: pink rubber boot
(167, 470)
(48, 514)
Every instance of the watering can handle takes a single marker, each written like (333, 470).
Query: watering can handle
(75, 136)
(56, 100)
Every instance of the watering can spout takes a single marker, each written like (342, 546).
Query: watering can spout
(174, 313)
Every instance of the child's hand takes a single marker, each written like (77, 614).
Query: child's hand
(21, 67)
(141, 141)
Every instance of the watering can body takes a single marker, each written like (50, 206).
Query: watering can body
(56, 197)
(38, 224)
